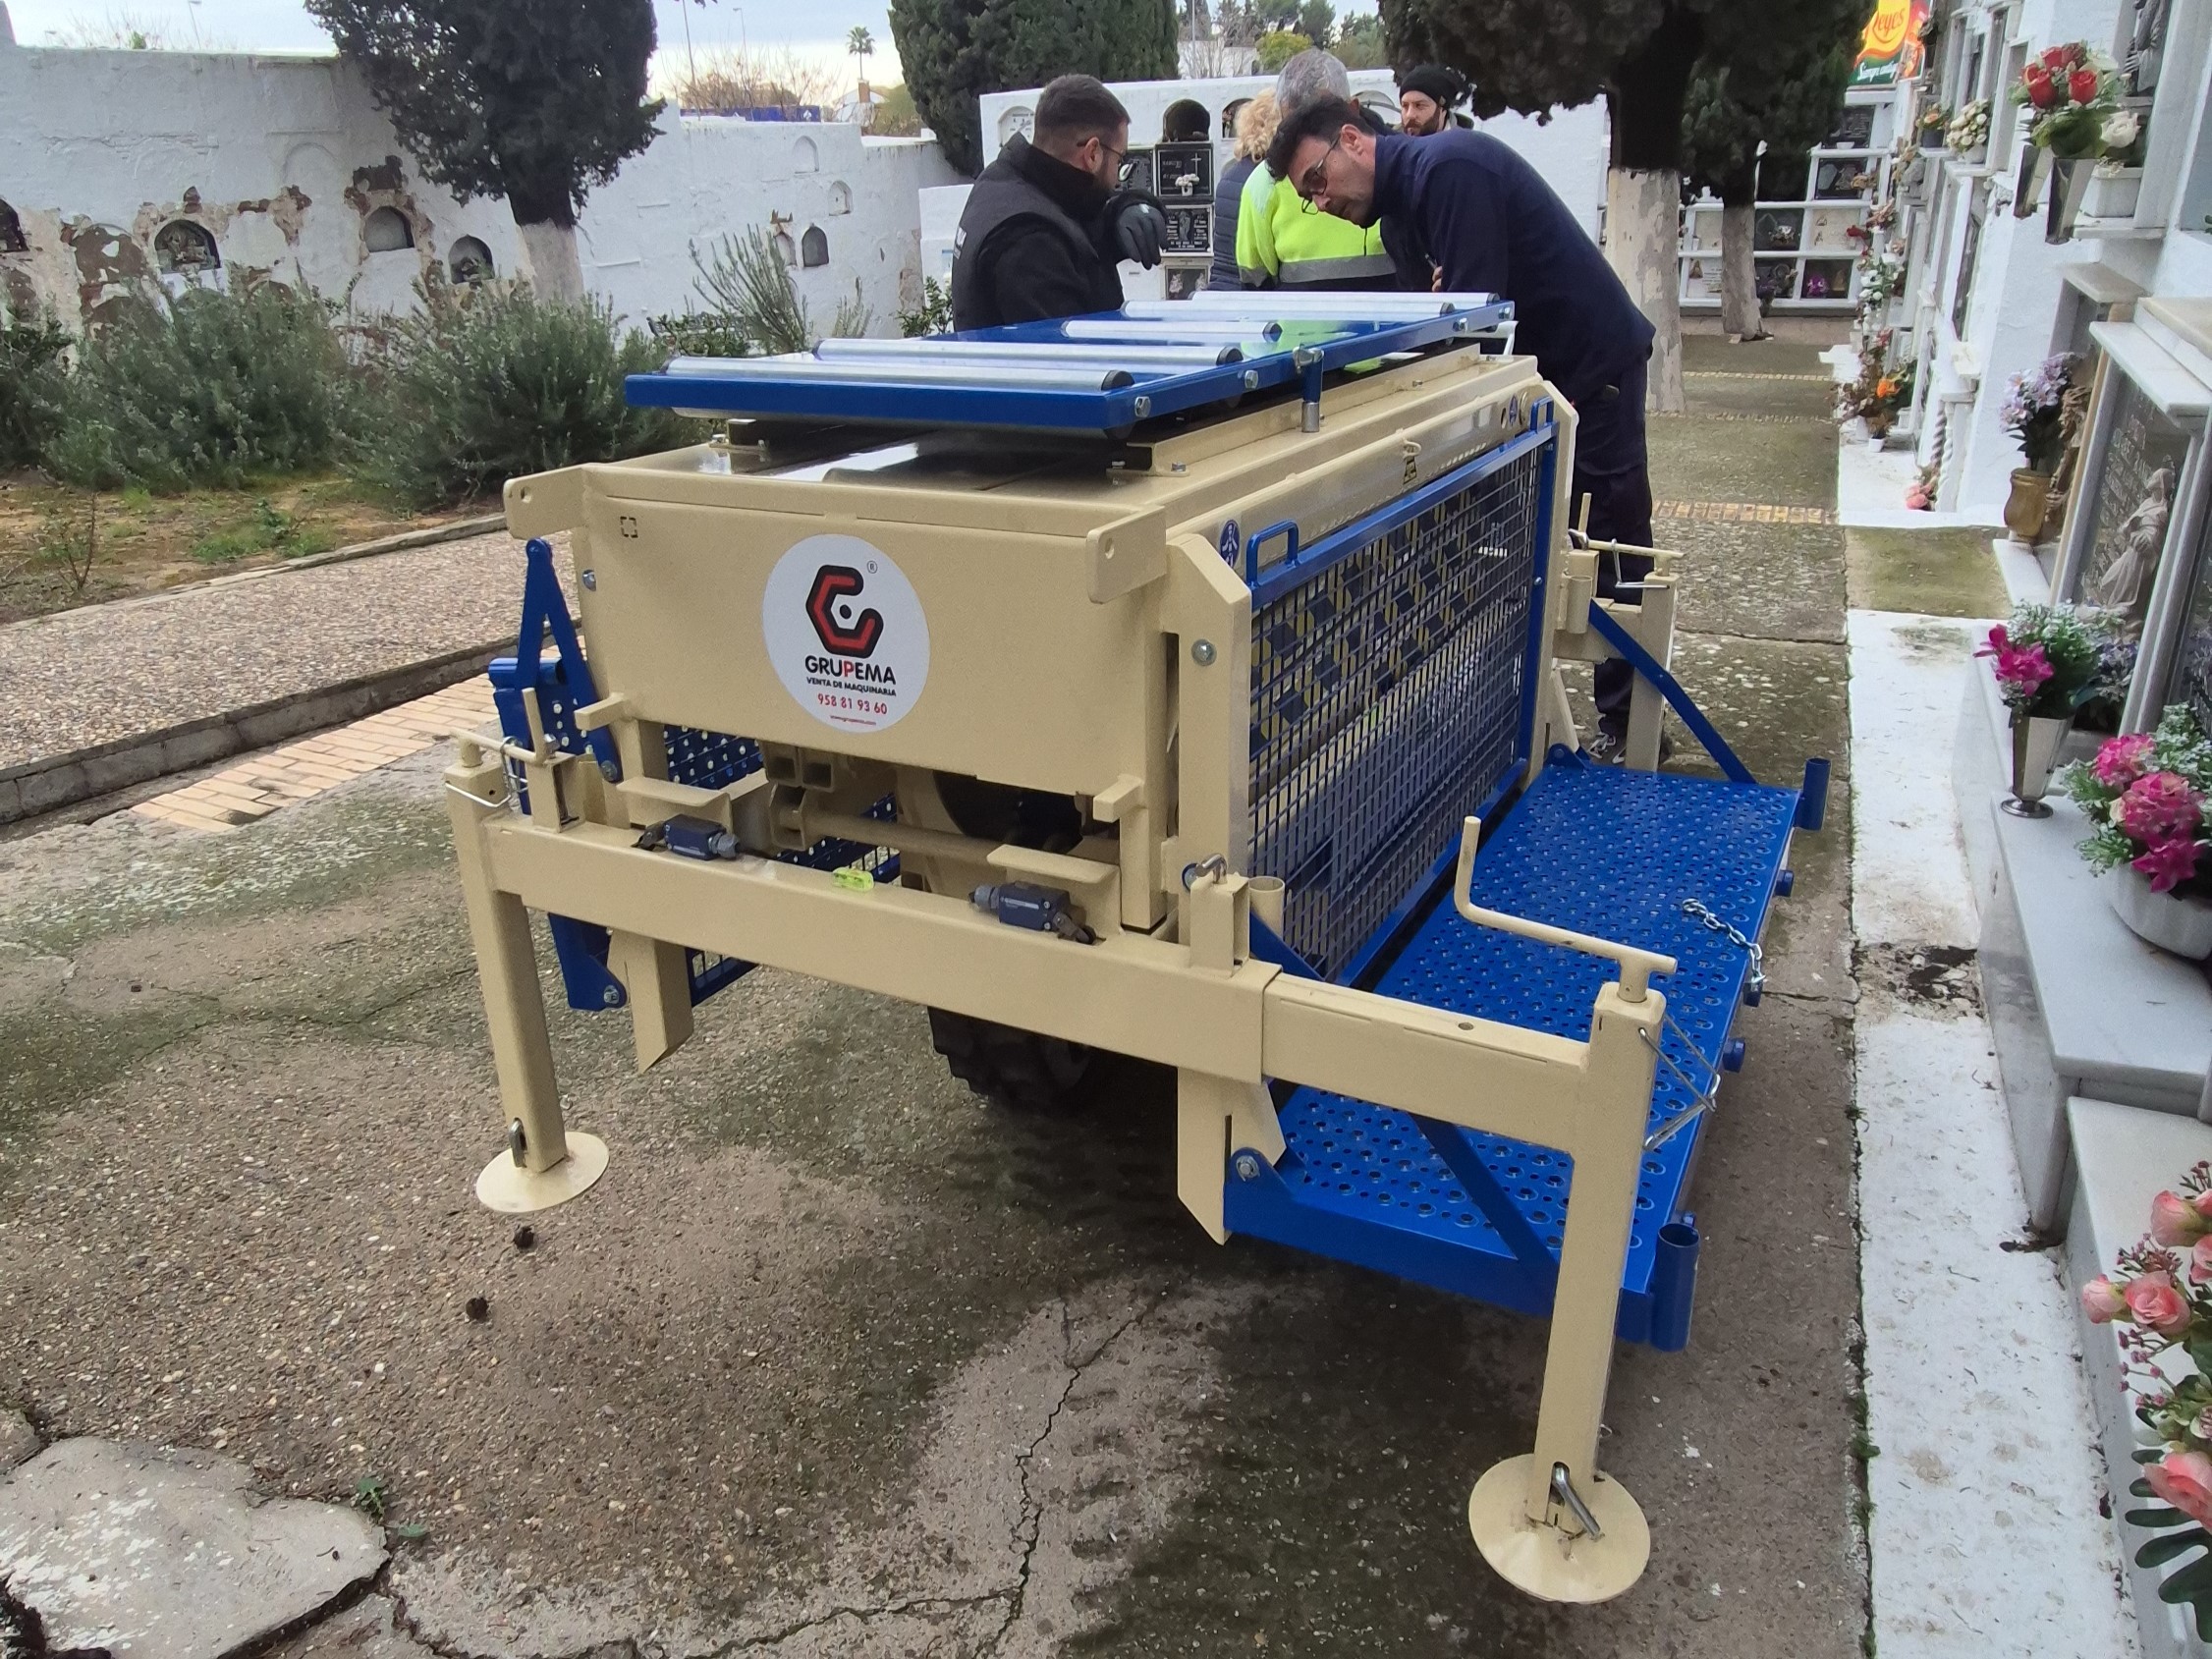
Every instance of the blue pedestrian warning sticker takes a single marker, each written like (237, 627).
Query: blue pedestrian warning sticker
(1231, 542)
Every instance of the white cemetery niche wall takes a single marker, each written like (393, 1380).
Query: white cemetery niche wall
(282, 170)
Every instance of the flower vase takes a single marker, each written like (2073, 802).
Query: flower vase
(2029, 504)
(2027, 187)
(2069, 182)
(2182, 926)
(2035, 752)
(2112, 192)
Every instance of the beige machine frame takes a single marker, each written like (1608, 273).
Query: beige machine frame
(1151, 735)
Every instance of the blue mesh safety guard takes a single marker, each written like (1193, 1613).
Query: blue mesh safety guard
(1390, 674)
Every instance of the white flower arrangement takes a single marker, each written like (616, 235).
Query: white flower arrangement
(1970, 128)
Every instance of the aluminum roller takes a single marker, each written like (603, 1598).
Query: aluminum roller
(1335, 307)
(1196, 330)
(786, 370)
(1171, 359)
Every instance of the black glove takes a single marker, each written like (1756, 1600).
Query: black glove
(1135, 226)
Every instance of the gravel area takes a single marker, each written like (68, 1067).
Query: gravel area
(107, 672)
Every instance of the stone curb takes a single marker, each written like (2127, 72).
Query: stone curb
(459, 530)
(51, 782)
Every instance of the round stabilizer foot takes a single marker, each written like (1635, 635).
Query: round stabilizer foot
(1546, 1561)
(508, 1187)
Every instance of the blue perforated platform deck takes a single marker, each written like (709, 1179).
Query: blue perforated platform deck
(1604, 850)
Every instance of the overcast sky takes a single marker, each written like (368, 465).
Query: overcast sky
(815, 27)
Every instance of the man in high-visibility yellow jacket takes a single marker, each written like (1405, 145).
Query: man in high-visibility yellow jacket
(1282, 242)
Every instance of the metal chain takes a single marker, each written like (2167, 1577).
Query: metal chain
(1699, 912)
(1702, 1098)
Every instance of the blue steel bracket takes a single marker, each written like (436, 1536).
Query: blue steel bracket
(545, 606)
(1287, 528)
(1650, 667)
(1812, 799)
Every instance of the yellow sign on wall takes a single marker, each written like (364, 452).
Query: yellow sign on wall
(1889, 49)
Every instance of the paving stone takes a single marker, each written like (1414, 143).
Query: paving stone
(1758, 398)
(18, 1439)
(1711, 353)
(1779, 465)
(162, 1554)
(1771, 582)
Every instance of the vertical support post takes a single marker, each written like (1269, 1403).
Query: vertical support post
(1550, 1523)
(1547, 543)
(1308, 363)
(1214, 1117)
(1207, 616)
(542, 1165)
(657, 977)
(1648, 705)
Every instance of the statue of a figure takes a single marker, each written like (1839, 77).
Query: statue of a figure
(2124, 584)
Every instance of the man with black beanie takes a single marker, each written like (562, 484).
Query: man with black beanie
(1426, 97)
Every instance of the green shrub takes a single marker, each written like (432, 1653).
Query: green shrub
(265, 530)
(32, 380)
(491, 382)
(698, 334)
(934, 316)
(748, 292)
(206, 389)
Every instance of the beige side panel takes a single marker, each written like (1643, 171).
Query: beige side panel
(1030, 681)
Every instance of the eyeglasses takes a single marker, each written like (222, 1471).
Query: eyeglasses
(1316, 177)
(1123, 166)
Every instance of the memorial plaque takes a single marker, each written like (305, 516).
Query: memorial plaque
(2130, 505)
(2190, 680)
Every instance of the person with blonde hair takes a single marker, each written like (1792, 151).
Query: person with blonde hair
(1281, 242)
(1255, 130)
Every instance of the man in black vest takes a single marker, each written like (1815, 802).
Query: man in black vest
(1046, 222)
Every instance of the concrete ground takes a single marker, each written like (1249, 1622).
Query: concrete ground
(837, 1360)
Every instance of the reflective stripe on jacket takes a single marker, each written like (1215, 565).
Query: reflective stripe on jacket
(1280, 245)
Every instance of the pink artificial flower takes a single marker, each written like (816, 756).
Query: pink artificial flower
(2102, 1302)
(2026, 669)
(2158, 806)
(2153, 1301)
(2200, 1263)
(2177, 1223)
(2020, 669)
(2169, 863)
(2185, 1480)
(2122, 761)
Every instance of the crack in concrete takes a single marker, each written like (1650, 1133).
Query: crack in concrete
(1032, 1512)
(1025, 1534)
(1030, 1517)
(403, 1622)
(898, 1604)
(1843, 1006)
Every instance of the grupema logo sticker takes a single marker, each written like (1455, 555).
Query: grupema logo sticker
(845, 631)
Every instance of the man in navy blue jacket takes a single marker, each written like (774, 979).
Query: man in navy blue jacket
(1493, 226)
